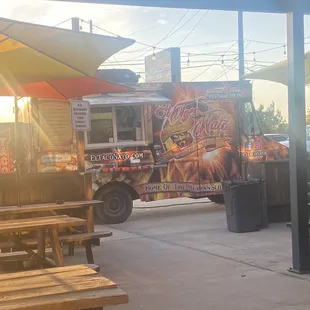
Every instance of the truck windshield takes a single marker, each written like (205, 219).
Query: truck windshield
(249, 120)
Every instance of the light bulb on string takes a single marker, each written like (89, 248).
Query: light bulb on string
(284, 51)
(188, 60)
(154, 56)
(222, 59)
(81, 25)
(254, 57)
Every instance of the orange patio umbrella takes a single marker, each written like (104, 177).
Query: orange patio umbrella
(64, 88)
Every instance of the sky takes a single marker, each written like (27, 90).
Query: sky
(211, 33)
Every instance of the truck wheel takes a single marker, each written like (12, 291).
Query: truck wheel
(117, 205)
(217, 199)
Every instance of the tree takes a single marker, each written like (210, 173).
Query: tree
(271, 119)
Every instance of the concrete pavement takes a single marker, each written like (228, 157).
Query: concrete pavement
(138, 204)
(183, 257)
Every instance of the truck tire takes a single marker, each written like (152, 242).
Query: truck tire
(217, 198)
(117, 205)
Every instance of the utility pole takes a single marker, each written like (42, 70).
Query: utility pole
(75, 25)
(241, 45)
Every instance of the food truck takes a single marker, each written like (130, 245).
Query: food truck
(172, 140)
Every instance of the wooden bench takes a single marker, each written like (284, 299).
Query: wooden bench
(21, 256)
(86, 239)
(65, 288)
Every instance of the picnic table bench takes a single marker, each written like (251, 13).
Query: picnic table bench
(67, 288)
(84, 239)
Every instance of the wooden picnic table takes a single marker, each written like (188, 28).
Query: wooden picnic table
(65, 288)
(40, 225)
(53, 208)
(42, 207)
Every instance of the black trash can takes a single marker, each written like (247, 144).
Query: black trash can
(243, 204)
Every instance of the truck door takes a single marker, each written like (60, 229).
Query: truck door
(217, 146)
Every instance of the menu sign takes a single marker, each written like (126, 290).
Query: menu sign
(80, 115)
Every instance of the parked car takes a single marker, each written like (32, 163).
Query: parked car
(287, 142)
(277, 137)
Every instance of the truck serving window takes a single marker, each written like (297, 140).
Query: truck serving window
(115, 126)
(249, 122)
(101, 125)
(128, 122)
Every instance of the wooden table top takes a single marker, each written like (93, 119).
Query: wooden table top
(31, 224)
(6, 210)
(66, 288)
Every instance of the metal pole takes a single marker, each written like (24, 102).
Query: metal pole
(297, 136)
(75, 24)
(91, 26)
(241, 45)
(16, 155)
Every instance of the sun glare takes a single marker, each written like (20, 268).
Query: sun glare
(6, 109)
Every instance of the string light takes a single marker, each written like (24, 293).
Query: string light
(189, 64)
(280, 45)
(81, 25)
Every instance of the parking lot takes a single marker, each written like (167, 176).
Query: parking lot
(182, 257)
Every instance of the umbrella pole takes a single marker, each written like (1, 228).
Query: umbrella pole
(16, 146)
